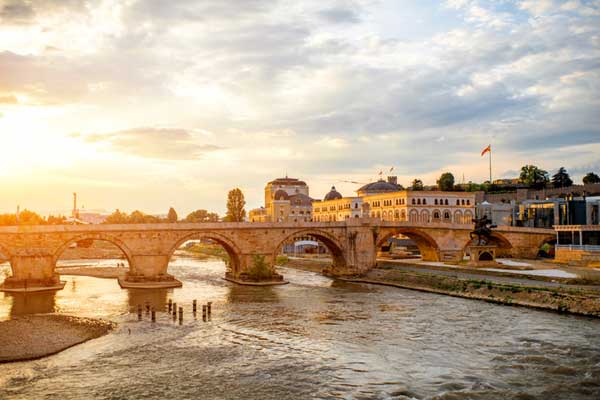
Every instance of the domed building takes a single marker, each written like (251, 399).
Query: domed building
(389, 201)
(380, 186)
(286, 200)
(332, 195)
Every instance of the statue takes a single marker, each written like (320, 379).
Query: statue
(482, 230)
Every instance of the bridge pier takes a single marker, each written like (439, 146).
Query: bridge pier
(149, 272)
(32, 273)
(255, 269)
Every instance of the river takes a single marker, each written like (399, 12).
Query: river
(314, 338)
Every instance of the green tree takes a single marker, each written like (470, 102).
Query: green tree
(117, 217)
(235, 206)
(533, 176)
(202, 216)
(446, 182)
(591, 177)
(417, 184)
(561, 178)
(172, 215)
(27, 217)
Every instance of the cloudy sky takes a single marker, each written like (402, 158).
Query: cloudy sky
(149, 104)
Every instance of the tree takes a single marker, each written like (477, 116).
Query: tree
(561, 178)
(533, 176)
(202, 216)
(417, 184)
(27, 217)
(235, 206)
(117, 217)
(446, 182)
(591, 177)
(172, 215)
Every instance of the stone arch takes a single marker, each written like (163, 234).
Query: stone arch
(413, 215)
(230, 247)
(447, 216)
(503, 244)
(436, 216)
(424, 216)
(427, 245)
(458, 217)
(94, 236)
(468, 216)
(330, 241)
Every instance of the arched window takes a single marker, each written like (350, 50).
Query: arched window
(418, 201)
(436, 215)
(425, 201)
(435, 202)
(457, 202)
(446, 215)
(468, 202)
(463, 202)
(403, 215)
(446, 202)
(414, 201)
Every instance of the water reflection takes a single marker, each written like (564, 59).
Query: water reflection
(156, 298)
(32, 303)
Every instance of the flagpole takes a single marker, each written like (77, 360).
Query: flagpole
(490, 165)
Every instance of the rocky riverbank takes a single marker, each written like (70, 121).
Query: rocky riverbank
(562, 299)
(35, 336)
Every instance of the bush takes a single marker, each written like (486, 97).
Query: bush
(260, 269)
(281, 260)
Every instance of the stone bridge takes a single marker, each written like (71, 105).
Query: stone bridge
(34, 250)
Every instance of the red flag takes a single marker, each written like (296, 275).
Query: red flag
(489, 148)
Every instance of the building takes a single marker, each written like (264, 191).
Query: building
(383, 199)
(286, 200)
(578, 244)
(498, 213)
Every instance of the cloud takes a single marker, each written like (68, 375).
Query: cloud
(340, 15)
(158, 143)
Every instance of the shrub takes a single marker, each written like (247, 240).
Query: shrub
(260, 269)
(281, 260)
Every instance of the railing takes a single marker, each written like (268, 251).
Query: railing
(586, 247)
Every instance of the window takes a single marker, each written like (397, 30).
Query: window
(446, 202)
(425, 201)
(435, 202)
(446, 215)
(418, 201)
(457, 202)
(355, 205)
(463, 202)
(436, 215)
(468, 202)
(414, 201)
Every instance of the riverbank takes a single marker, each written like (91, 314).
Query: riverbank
(562, 299)
(95, 272)
(35, 336)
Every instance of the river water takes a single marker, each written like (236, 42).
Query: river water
(314, 338)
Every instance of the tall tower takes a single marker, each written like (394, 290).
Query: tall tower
(75, 212)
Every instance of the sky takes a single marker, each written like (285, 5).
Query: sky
(150, 104)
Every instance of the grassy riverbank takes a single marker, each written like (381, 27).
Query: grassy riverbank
(35, 336)
(205, 251)
(562, 299)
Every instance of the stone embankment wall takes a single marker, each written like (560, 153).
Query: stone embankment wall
(573, 301)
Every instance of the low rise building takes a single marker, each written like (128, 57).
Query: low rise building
(383, 200)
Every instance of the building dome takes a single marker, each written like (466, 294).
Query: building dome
(380, 186)
(332, 195)
(281, 195)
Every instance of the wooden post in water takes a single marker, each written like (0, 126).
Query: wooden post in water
(194, 304)
(153, 314)
(203, 312)
(180, 314)
(209, 307)
(170, 304)
(174, 309)
(139, 312)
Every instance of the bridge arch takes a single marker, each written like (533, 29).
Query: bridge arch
(330, 241)
(230, 247)
(94, 236)
(427, 245)
(504, 245)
